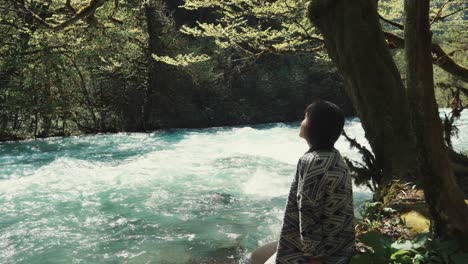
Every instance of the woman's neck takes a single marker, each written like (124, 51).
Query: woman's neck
(318, 148)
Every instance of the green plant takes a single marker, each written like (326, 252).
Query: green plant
(373, 211)
(421, 249)
(367, 172)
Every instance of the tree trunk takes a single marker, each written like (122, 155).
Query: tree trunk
(355, 42)
(154, 107)
(86, 95)
(444, 197)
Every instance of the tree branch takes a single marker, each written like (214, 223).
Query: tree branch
(449, 85)
(395, 24)
(445, 62)
(31, 52)
(70, 7)
(394, 41)
(310, 37)
(450, 14)
(458, 50)
(440, 11)
(32, 14)
(82, 13)
(440, 58)
(440, 18)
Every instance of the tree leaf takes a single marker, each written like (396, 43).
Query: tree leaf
(402, 245)
(400, 252)
(379, 245)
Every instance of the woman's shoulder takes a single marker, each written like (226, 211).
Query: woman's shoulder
(311, 154)
(308, 157)
(319, 157)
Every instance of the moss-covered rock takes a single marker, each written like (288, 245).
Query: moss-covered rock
(416, 222)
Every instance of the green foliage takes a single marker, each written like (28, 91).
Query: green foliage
(366, 173)
(373, 216)
(372, 211)
(421, 249)
(255, 27)
(62, 74)
(98, 74)
(56, 82)
(447, 16)
(182, 60)
(381, 248)
(448, 26)
(252, 28)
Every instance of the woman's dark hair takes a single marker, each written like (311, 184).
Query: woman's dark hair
(325, 122)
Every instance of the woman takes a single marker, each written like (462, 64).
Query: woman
(318, 225)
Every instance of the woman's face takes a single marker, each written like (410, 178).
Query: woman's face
(303, 127)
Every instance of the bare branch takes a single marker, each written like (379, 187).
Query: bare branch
(444, 61)
(308, 36)
(445, 86)
(36, 17)
(440, 58)
(450, 14)
(395, 24)
(440, 11)
(81, 14)
(455, 51)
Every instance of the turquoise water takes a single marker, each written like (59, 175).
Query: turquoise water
(180, 196)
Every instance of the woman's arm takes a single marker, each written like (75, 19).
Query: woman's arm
(310, 204)
(323, 197)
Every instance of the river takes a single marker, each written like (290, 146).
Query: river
(175, 196)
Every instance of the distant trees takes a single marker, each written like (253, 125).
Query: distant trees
(56, 58)
(257, 27)
(104, 66)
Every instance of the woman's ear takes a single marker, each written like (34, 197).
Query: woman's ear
(303, 127)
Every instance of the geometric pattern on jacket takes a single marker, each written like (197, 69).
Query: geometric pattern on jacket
(319, 216)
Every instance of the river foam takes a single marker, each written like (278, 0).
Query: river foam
(178, 196)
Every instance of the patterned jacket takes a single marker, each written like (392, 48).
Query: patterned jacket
(319, 217)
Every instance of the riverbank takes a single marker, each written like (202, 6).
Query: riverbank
(349, 113)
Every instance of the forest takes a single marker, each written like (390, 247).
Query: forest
(77, 67)
(109, 66)
(70, 68)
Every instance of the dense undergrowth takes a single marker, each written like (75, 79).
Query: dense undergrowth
(384, 237)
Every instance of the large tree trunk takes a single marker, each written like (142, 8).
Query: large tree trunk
(444, 197)
(356, 44)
